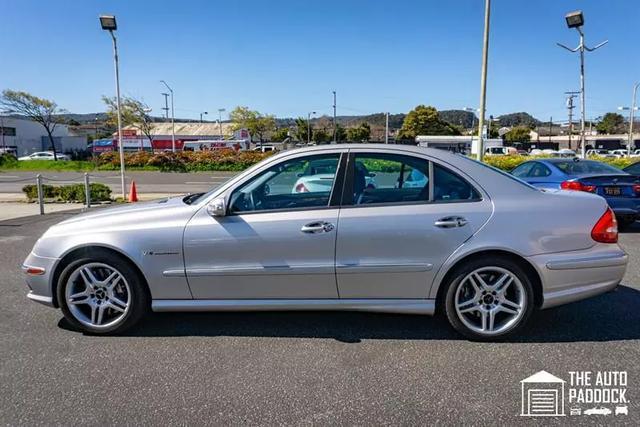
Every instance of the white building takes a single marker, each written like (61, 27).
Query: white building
(26, 137)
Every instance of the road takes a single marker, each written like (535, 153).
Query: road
(146, 182)
(296, 368)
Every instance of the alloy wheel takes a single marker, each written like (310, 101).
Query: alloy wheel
(490, 300)
(98, 295)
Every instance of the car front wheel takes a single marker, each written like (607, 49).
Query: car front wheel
(102, 294)
(488, 300)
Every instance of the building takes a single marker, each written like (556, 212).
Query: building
(133, 139)
(542, 395)
(25, 137)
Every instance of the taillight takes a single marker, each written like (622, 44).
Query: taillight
(606, 229)
(577, 186)
(636, 189)
(301, 188)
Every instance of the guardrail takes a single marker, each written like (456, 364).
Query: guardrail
(39, 179)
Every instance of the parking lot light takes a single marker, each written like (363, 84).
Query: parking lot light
(108, 23)
(574, 19)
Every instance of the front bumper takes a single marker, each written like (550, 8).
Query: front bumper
(40, 289)
(573, 276)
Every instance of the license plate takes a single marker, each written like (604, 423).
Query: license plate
(612, 191)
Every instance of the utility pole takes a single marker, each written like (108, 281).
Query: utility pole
(309, 127)
(483, 76)
(173, 117)
(576, 20)
(335, 128)
(220, 111)
(166, 104)
(550, 126)
(386, 129)
(631, 109)
(570, 107)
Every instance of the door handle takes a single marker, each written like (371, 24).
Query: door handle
(451, 222)
(317, 227)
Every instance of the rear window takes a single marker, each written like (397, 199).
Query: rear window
(586, 167)
(501, 172)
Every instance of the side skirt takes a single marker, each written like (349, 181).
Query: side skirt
(406, 306)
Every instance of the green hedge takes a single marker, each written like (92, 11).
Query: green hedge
(507, 163)
(69, 193)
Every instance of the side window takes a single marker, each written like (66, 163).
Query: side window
(303, 182)
(522, 170)
(539, 171)
(389, 178)
(449, 187)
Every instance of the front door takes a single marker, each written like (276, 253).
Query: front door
(400, 221)
(277, 240)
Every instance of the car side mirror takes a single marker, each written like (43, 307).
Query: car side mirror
(217, 207)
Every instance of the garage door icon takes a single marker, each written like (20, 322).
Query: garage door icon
(542, 395)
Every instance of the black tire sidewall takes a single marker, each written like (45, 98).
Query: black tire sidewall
(461, 272)
(139, 295)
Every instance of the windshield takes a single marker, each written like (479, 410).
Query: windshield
(586, 167)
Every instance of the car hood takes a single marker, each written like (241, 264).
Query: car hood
(127, 209)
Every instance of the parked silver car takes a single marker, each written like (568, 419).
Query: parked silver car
(474, 243)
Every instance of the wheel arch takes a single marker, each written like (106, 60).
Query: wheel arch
(529, 269)
(84, 251)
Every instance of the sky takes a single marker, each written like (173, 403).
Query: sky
(285, 57)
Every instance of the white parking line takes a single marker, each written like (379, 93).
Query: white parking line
(9, 176)
(199, 182)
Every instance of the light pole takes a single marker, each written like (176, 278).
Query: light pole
(335, 126)
(570, 107)
(204, 112)
(108, 23)
(386, 128)
(173, 126)
(166, 104)
(631, 110)
(576, 20)
(483, 76)
(309, 127)
(220, 111)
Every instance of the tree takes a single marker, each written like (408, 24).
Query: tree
(518, 134)
(424, 120)
(360, 133)
(39, 110)
(321, 135)
(302, 127)
(280, 134)
(341, 133)
(519, 119)
(256, 123)
(611, 123)
(133, 113)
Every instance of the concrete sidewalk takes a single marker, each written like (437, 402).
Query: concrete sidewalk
(15, 205)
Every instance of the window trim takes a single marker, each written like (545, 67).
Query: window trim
(333, 196)
(347, 189)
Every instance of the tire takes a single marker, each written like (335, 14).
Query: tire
(123, 300)
(469, 311)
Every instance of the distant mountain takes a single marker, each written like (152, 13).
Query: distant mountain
(518, 119)
(462, 118)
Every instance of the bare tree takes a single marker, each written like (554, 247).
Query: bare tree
(37, 109)
(134, 114)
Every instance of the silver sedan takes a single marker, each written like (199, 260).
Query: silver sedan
(471, 242)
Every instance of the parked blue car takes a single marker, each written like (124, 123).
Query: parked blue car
(619, 188)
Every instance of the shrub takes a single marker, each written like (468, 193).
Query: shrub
(69, 193)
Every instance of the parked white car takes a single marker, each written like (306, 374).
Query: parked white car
(620, 153)
(565, 152)
(597, 152)
(265, 148)
(318, 177)
(635, 153)
(44, 155)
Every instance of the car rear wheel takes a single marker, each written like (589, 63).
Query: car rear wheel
(102, 294)
(489, 299)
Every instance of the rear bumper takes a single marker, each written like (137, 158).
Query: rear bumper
(573, 276)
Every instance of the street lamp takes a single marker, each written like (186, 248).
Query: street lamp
(204, 112)
(631, 110)
(576, 20)
(108, 23)
(309, 127)
(220, 111)
(335, 125)
(173, 126)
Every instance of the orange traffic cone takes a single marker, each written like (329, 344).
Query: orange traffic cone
(133, 194)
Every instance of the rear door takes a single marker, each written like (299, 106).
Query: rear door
(401, 218)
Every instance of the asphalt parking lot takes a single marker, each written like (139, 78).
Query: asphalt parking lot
(296, 368)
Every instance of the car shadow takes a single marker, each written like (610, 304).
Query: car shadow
(610, 317)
